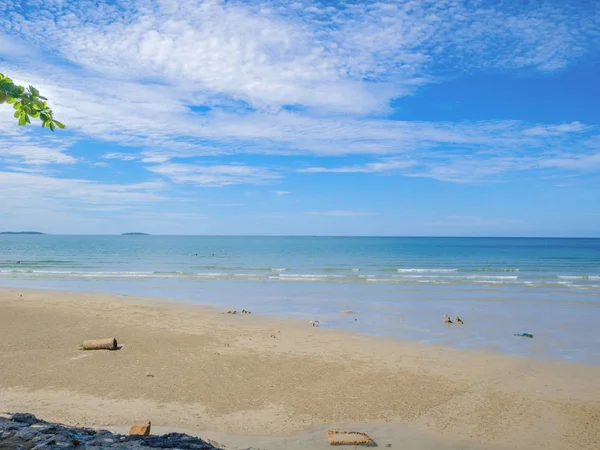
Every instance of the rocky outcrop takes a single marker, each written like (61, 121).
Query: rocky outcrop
(25, 432)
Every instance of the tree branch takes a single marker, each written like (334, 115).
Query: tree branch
(27, 103)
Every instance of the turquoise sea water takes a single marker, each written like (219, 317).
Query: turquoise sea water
(397, 286)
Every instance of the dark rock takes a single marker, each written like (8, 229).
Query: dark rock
(26, 418)
(47, 440)
(26, 432)
(172, 440)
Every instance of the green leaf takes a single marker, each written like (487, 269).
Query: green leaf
(59, 125)
(27, 103)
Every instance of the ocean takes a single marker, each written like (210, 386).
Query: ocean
(397, 287)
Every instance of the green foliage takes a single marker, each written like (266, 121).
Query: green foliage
(27, 103)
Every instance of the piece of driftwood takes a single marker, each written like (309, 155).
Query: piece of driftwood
(336, 437)
(100, 344)
(142, 428)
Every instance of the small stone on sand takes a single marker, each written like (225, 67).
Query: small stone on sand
(142, 428)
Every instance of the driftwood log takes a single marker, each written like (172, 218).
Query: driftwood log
(100, 344)
(336, 437)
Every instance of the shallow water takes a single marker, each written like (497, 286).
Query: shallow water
(397, 287)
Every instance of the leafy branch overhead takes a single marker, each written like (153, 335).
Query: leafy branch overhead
(27, 103)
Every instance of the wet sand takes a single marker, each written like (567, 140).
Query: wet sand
(272, 382)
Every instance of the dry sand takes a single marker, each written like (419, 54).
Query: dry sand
(278, 383)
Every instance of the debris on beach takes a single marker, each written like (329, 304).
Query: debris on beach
(100, 344)
(141, 428)
(244, 311)
(528, 335)
(314, 323)
(448, 320)
(336, 437)
(25, 431)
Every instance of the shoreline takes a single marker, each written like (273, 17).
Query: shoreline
(191, 367)
(566, 331)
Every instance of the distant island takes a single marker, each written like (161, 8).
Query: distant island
(134, 234)
(20, 232)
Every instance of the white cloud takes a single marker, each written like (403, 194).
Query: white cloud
(340, 213)
(129, 118)
(480, 150)
(579, 162)
(72, 205)
(38, 169)
(281, 193)
(120, 156)
(376, 167)
(15, 48)
(174, 82)
(460, 169)
(34, 155)
(33, 189)
(144, 63)
(226, 204)
(67, 205)
(271, 55)
(25, 146)
(215, 175)
(555, 130)
(235, 49)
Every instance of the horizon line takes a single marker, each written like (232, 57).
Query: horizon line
(30, 233)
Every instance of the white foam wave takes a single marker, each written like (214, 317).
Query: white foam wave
(459, 277)
(494, 277)
(296, 278)
(489, 282)
(424, 277)
(74, 273)
(426, 270)
(578, 277)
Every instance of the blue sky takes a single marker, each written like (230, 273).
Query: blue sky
(339, 118)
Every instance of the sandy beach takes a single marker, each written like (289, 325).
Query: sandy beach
(268, 382)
